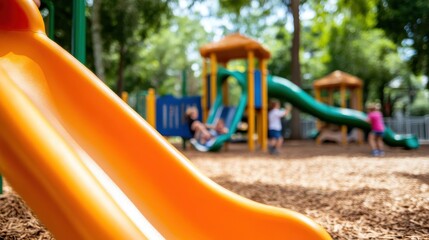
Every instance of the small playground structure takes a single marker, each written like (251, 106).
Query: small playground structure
(350, 88)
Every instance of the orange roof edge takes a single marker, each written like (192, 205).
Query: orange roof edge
(337, 78)
(229, 46)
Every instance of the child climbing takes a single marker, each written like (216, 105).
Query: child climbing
(375, 138)
(275, 114)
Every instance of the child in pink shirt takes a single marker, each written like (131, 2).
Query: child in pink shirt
(375, 139)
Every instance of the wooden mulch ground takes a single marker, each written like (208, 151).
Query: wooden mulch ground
(344, 189)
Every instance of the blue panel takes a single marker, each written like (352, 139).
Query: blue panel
(171, 115)
(226, 113)
(258, 90)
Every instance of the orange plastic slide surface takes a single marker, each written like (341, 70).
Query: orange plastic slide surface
(91, 168)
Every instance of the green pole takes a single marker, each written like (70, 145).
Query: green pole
(184, 83)
(51, 18)
(1, 184)
(79, 30)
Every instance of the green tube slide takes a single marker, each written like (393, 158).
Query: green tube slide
(285, 90)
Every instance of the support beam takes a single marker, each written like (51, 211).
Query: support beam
(343, 96)
(264, 110)
(204, 96)
(213, 78)
(151, 107)
(251, 99)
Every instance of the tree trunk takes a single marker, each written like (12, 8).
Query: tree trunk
(120, 81)
(296, 67)
(97, 41)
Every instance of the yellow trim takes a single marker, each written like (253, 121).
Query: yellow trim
(359, 107)
(343, 92)
(264, 110)
(150, 107)
(213, 76)
(124, 96)
(204, 99)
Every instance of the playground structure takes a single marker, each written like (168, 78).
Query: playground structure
(233, 47)
(257, 86)
(103, 172)
(346, 84)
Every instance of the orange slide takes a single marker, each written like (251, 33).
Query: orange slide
(91, 168)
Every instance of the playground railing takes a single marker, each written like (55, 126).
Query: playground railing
(138, 102)
(308, 127)
(418, 126)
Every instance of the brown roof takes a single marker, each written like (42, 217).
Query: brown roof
(234, 46)
(337, 79)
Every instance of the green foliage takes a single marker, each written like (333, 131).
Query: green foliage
(234, 91)
(361, 12)
(126, 25)
(350, 42)
(408, 20)
(125, 19)
(420, 106)
(250, 17)
(63, 27)
(280, 48)
(146, 46)
(234, 6)
(165, 54)
(368, 55)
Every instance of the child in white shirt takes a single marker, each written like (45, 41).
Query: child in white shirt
(275, 114)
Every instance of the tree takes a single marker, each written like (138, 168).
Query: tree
(248, 17)
(63, 28)
(237, 8)
(353, 44)
(97, 39)
(164, 56)
(280, 45)
(126, 24)
(406, 22)
(296, 66)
